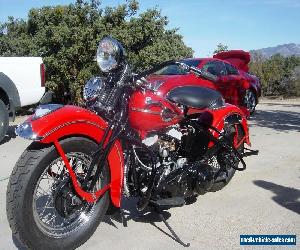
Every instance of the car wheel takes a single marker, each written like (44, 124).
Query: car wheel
(250, 101)
(4, 120)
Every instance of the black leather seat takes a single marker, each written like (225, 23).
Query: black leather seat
(196, 97)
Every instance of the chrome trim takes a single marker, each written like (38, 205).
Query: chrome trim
(161, 113)
(146, 111)
(221, 107)
(126, 191)
(138, 159)
(25, 130)
(69, 123)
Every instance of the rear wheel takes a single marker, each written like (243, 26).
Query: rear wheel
(236, 140)
(4, 120)
(42, 208)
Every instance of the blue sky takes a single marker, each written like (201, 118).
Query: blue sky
(240, 24)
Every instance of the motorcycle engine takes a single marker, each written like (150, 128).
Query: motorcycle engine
(177, 149)
(167, 146)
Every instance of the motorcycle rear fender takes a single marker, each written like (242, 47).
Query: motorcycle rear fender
(69, 121)
(229, 114)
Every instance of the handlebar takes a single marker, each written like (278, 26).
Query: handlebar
(199, 72)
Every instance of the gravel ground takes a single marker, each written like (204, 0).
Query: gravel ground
(264, 199)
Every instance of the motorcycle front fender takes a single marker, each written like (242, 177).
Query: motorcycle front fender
(69, 121)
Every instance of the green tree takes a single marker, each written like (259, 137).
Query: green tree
(220, 48)
(295, 81)
(277, 74)
(67, 36)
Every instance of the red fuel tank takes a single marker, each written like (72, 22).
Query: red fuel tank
(150, 111)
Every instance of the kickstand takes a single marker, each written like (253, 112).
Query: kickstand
(158, 211)
(124, 221)
(249, 152)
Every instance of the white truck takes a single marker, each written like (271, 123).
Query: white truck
(22, 83)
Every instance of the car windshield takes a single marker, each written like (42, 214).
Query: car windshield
(175, 69)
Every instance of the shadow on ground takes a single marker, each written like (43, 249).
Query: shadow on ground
(10, 134)
(286, 105)
(132, 214)
(282, 121)
(284, 196)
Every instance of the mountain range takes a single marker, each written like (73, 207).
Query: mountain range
(284, 50)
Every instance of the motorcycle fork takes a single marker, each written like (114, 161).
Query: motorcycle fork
(100, 155)
(88, 196)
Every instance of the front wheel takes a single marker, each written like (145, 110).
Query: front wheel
(42, 208)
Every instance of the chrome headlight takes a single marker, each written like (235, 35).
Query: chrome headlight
(92, 88)
(45, 109)
(109, 54)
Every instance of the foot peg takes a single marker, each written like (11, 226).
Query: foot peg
(168, 203)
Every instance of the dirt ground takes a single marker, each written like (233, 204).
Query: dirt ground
(264, 199)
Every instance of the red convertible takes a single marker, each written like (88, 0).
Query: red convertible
(234, 81)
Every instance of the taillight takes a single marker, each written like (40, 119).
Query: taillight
(42, 71)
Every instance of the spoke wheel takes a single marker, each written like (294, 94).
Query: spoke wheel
(237, 138)
(56, 208)
(43, 209)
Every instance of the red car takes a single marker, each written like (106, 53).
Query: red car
(236, 84)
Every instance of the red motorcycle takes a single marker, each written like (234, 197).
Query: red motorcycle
(165, 144)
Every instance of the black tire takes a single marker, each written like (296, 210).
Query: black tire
(4, 120)
(250, 101)
(220, 185)
(20, 191)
